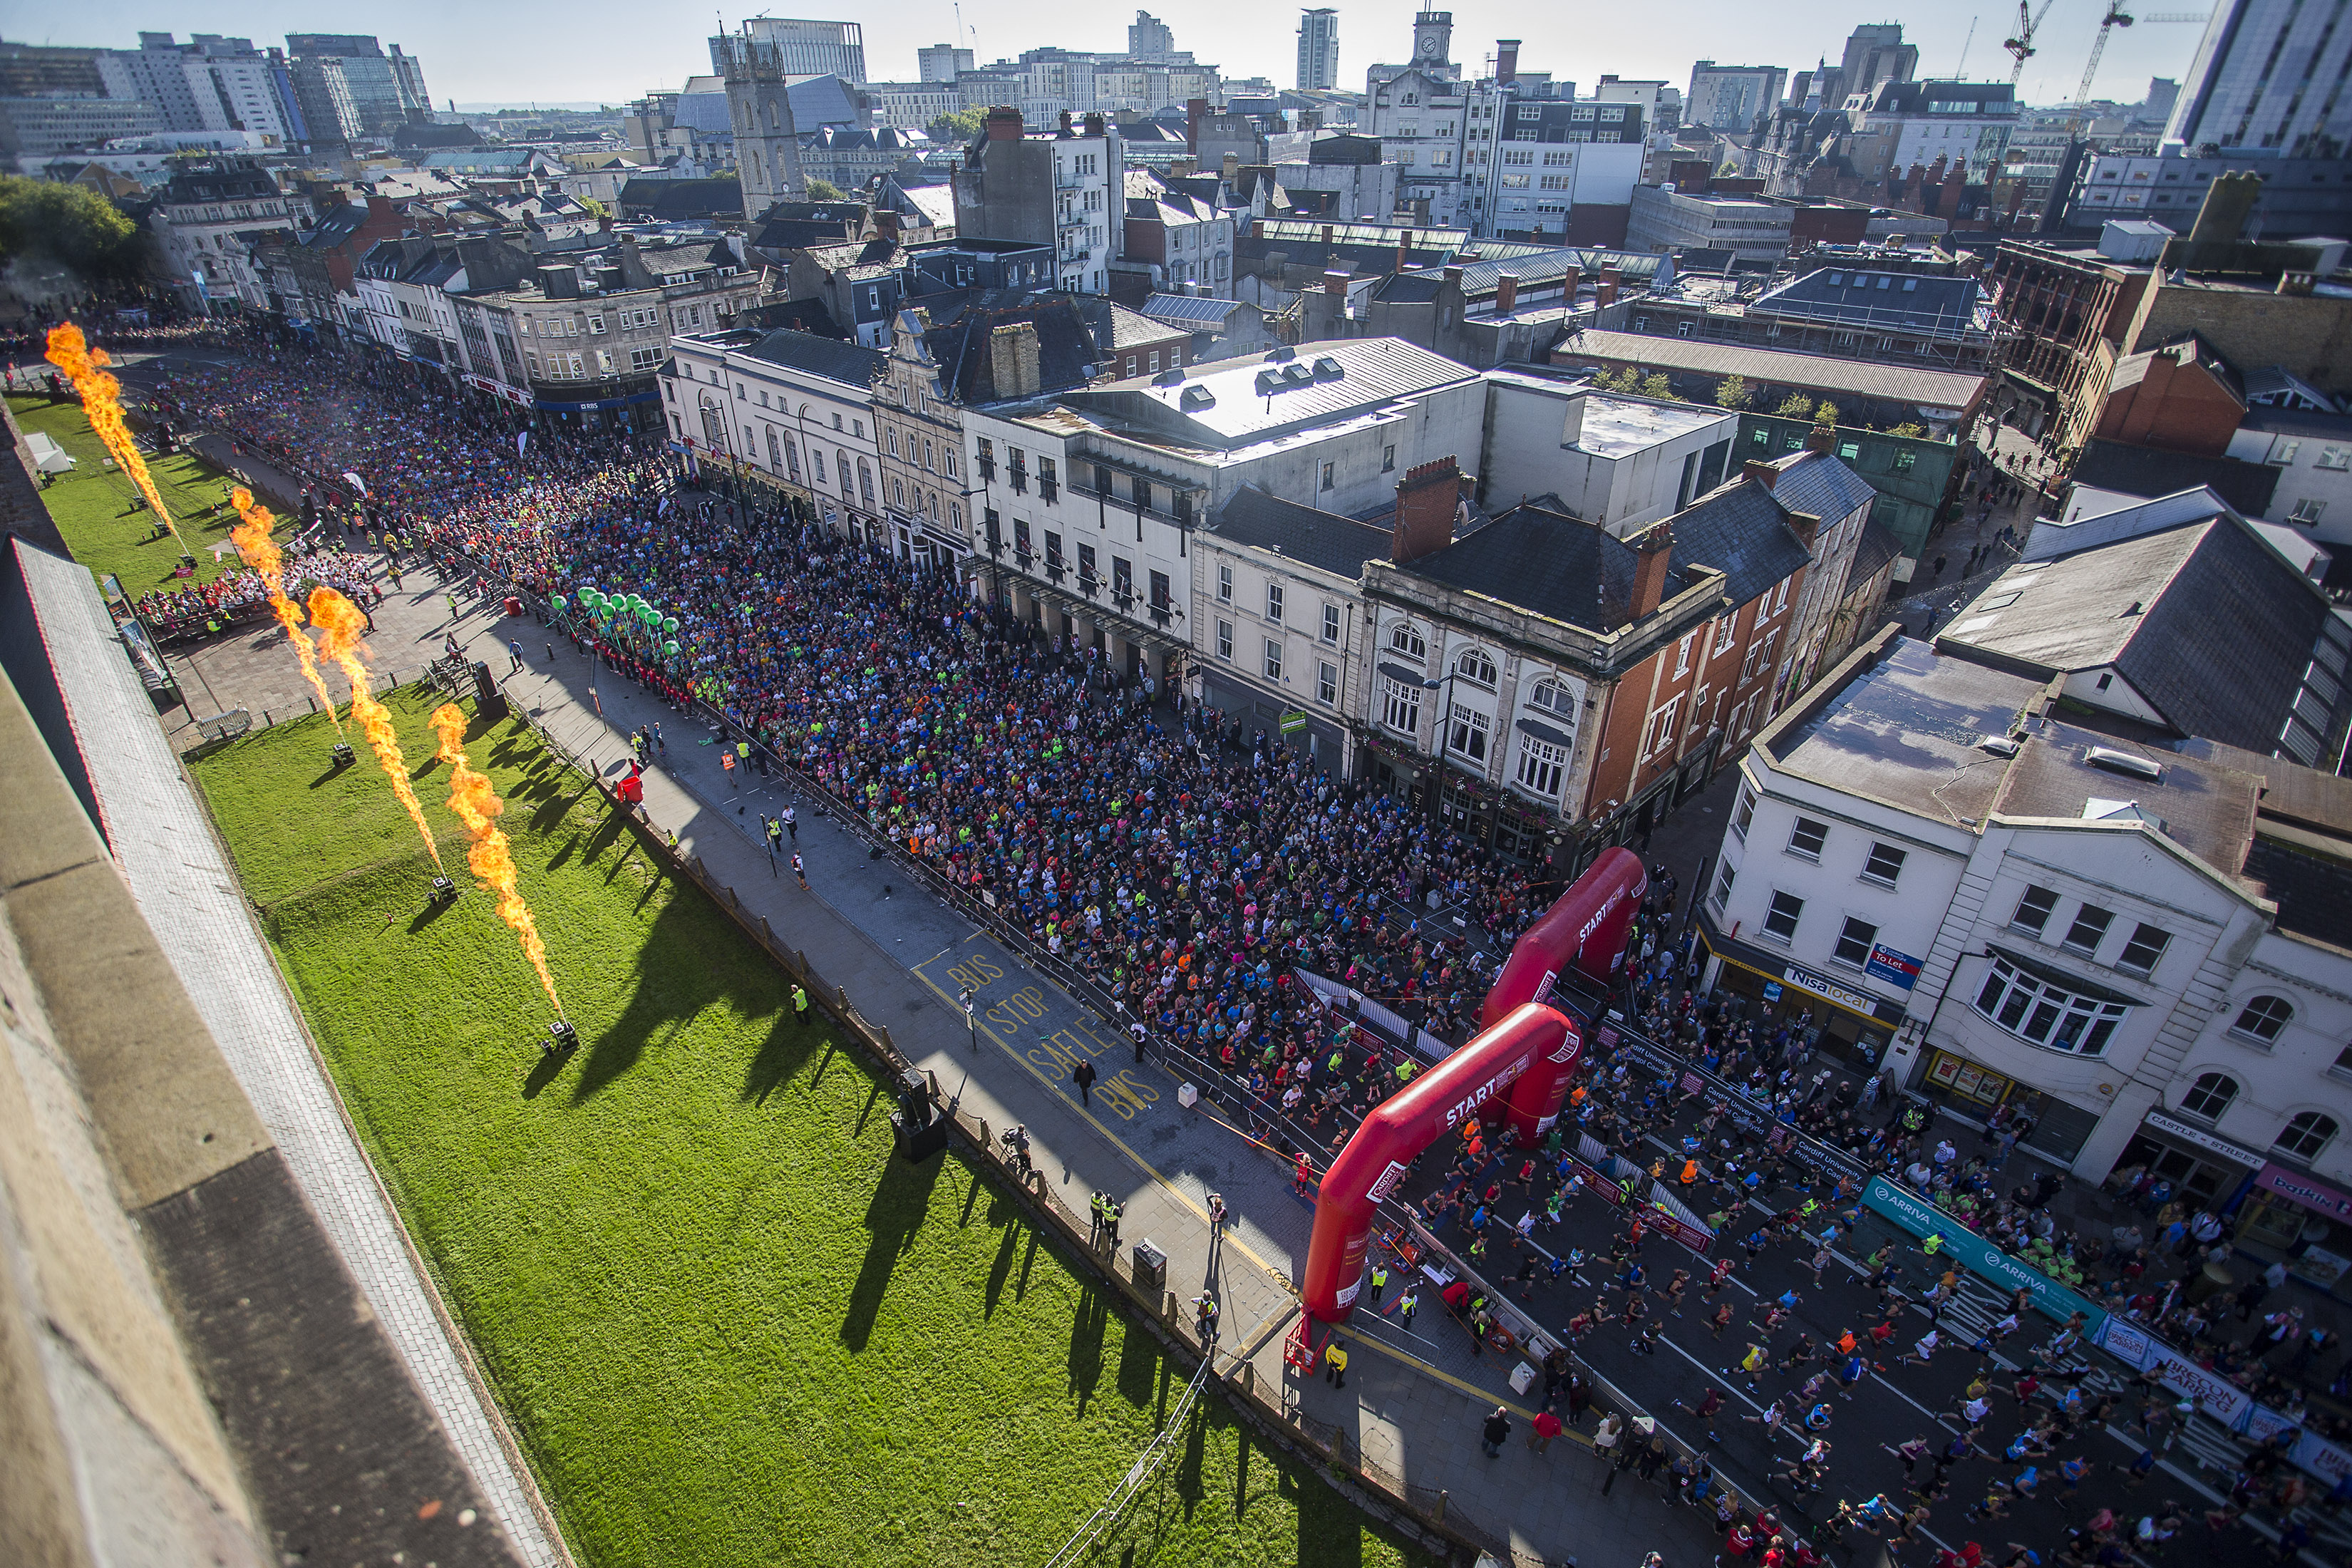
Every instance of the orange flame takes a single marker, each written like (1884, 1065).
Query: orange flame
(339, 624)
(101, 401)
(477, 806)
(252, 539)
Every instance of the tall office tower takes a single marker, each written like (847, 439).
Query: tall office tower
(385, 92)
(1318, 50)
(803, 47)
(1149, 39)
(940, 62)
(2269, 77)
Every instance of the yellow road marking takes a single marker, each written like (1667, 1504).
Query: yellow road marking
(1173, 1191)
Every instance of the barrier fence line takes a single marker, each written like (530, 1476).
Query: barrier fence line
(1385, 1497)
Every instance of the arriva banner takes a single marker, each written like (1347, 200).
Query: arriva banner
(1974, 1253)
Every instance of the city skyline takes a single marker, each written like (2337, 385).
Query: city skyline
(541, 53)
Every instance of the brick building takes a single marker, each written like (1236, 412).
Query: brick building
(1551, 688)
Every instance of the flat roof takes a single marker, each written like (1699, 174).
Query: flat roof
(2206, 807)
(1909, 731)
(1859, 378)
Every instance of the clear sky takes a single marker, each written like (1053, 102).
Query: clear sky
(612, 51)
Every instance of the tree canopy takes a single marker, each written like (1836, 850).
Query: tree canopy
(70, 225)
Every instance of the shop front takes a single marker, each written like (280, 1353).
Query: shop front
(1969, 1089)
(1854, 1026)
(2300, 1218)
(2206, 1171)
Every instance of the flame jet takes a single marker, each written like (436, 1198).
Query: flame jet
(101, 401)
(252, 539)
(479, 807)
(339, 624)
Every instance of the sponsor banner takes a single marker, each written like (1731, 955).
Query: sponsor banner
(1973, 1252)
(1698, 1238)
(2141, 1350)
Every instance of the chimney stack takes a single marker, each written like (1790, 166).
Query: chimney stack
(1821, 439)
(1506, 60)
(1094, 123)
(1762, 472)
(1194, 107)
(1012, 359)
(1004, 124)
(1231, 168)
(1507, 292)
(1428, 496)
(1064, 122)
(1335, 282)
(1654, 552)
(1569, 280)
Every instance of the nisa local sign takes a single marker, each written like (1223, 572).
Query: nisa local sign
(1823, 986)
(1974, 1253)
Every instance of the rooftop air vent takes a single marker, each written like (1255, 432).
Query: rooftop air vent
(1280, 353)
(1328, 369)
(2126, 762)
(1269, 382)
(1295, 372)
(1168, 378)
(1999, 745)
(1197, 397)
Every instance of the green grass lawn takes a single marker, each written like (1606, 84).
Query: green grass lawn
(93, 505)
(729, 1328)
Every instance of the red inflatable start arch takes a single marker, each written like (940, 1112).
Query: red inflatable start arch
(1521, 1060)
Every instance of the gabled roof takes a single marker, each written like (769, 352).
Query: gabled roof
(1323, 540)
(1819, 484)
(2188, 351)
(1544, 562)
(1872, 552)
(1741, 530)
(2203, 619)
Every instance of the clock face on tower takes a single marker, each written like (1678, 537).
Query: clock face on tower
(1430, 48)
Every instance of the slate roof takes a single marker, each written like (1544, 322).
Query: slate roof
(1872, 552)
(684, 198)
(2149, 471)
(1066, 353)
(848, 363)
(1544, 562)
(2203, 620)
(1904, 301)
(1742, 530)
(1819, 484)
(1322, 539)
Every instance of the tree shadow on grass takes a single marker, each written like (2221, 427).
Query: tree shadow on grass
(688, 962)
(783, 1054)
(1330, 1531)
(1001, 1270)
(900, 1201)
(1086, 1359)
(1138, 1365)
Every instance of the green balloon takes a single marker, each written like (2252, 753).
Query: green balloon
(669, 648)
(670, 624)
(557, 601)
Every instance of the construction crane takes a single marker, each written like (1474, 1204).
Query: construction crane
(2116, 17)
(2021, 47)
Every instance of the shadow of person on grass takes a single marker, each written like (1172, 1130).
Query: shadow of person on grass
(900, 1201)
(787, 1049)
